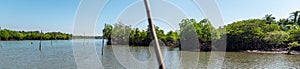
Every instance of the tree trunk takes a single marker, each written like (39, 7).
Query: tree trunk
(289, 51)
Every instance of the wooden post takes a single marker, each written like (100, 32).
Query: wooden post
(102, 44)
(55, 38)
(152, 28)
(180, 47)
(51, 42)
(0, 41)
(83, 38)
(41, 37)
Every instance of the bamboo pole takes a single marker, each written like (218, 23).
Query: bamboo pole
(41, 37)
(152, 28)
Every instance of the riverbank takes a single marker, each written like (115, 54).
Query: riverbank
(37, 39)
(293, 52)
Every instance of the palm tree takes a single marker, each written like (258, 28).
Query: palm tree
(294, 16)
(298, 20)
(269, 18)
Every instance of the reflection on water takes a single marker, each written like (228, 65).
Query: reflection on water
(24, 55)
(60, 54)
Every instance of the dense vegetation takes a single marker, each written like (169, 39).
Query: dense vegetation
(6, 34)
(136, 36)
(252, 34)
(264, 34)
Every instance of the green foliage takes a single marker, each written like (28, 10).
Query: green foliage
(5, 34)
(31, 35)
(188, 27)
(294, 16)
(172, 36)
(258, 34)
(246, 34)
(277, 37)
(271, 27)
(249, 29)
(107, 31)
(120, 31)
(294, 34)
(160, 33)
(269, 18)
(293, 44)
(263, 34)
(204, 29)
(46, 36)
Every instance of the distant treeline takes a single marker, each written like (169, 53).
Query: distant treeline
(6, 34)
(253, 34)
(91, 37)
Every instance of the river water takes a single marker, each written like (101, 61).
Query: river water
(87, 53)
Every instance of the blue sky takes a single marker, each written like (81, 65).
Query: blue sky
(58, 15)
(47, 15)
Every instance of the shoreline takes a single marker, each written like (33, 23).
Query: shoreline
(293, 52)
(49, 39)
(29, 40)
